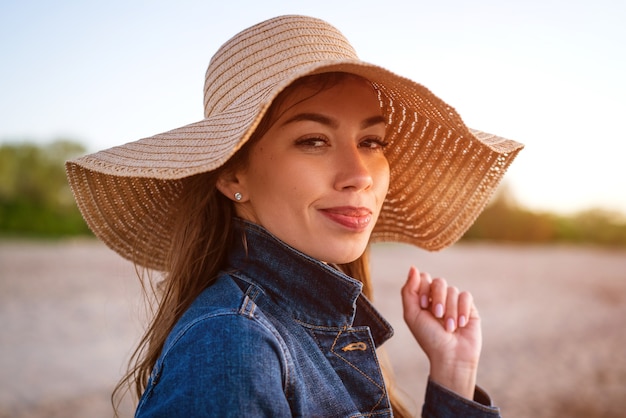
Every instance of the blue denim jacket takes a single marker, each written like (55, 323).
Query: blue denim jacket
(280, 334)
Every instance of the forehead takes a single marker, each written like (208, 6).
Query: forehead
(330, 92)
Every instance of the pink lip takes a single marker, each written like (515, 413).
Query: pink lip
(354, 218)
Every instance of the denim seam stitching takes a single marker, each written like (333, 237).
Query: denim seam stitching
(373, 354)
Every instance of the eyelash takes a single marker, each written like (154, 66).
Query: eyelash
(312, 142)
(380, 143)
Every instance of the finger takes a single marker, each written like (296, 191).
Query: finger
(425, 290)
(412, 284)
(466, 301)
(438, 294)
(410, 290)
(452, 302)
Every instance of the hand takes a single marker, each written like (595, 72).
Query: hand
(446, 325)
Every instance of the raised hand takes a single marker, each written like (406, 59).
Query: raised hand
(446, 325)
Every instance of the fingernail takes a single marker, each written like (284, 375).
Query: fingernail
(462, 321)
(424, 301)
(439, 311)
(450, 325)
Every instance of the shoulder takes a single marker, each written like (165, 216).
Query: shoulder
(223, 321)
(222, 341)
(221, 312)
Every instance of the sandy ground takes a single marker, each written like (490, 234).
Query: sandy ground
(553, 320)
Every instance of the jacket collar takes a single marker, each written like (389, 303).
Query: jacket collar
(312, 292)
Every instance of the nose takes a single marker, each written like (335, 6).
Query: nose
(352, 170)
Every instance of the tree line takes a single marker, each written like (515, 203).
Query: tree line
(506, 220)
(35, 198)
(36, 201)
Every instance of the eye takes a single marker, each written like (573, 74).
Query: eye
(312, 142)
(374, 143)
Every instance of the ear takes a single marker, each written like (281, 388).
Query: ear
(231, 182)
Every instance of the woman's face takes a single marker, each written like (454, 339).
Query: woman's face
(318, 177)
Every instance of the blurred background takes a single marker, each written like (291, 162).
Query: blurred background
(80, 76)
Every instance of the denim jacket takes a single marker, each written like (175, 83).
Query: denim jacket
(279, 334)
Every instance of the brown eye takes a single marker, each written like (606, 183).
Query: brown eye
(312, 142)
(374, 143)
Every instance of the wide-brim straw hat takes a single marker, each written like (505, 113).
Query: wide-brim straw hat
(442, 173)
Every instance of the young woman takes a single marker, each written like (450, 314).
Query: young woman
(261, 216)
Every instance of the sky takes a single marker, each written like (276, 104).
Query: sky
(548, 73)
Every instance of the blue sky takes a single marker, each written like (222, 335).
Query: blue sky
(548, 73)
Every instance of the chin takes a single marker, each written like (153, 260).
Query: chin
(343, 257)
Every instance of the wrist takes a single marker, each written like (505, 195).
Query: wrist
(460, 379)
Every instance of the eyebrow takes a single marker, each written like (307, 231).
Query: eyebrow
(333, 123)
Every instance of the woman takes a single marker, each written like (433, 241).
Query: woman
(261, 215)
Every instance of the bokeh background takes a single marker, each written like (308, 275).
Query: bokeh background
(545, 259)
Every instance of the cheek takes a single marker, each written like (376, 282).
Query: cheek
(261, 175)
(382, 178)
(276, 181)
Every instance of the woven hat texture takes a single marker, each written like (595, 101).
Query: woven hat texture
(442, 173)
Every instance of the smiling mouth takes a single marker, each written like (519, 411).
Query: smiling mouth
(353, 218)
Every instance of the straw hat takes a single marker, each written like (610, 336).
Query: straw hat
(442, 173)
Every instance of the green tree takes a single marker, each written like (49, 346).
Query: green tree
(35, 198)
(505, 220)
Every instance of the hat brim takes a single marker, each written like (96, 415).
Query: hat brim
(442, 173)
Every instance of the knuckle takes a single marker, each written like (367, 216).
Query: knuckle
(439, 283)
(466, 296)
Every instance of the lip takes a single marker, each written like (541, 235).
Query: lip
(353, 218)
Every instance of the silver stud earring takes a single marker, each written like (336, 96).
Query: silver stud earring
(238, 196)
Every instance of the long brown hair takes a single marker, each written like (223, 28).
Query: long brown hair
(203, 229)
